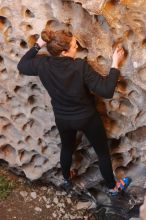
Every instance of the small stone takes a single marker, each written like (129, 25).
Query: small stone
(48, 206)
(84, 205)
(66, 216)
(20, 180)
(38, 209)
(60, 205)
(54, 215)
(55, 200)
(74, 217)
(62, 210)
(49, 190)
(68, 200)
(69, 196)
(44, 198)
(60, 193)
(44, 188)
(40, 199)
(48, 201)
(33, 195)
(23, 194)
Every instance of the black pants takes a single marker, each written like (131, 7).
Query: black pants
(94, 130)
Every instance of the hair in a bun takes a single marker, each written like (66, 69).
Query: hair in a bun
(57, 41)
(47, 36)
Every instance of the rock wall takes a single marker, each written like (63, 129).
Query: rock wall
(29, 139)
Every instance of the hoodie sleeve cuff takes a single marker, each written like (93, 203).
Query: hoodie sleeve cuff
(36, 46)
(114, 70)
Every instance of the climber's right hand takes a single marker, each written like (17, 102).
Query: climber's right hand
(118, 57)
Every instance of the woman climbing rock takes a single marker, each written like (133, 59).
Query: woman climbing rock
(71, 83)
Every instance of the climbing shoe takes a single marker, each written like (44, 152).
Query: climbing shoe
(120, 187)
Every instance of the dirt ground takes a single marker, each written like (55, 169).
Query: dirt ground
(29, 201)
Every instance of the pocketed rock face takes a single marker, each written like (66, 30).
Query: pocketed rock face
(29, 139)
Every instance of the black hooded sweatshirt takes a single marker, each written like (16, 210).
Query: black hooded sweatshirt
(69, 82)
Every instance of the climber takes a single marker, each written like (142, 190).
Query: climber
(71, 83)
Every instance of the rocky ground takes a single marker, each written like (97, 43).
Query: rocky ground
(35, 201)
(38, 201)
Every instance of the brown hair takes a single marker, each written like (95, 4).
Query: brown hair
(57, 41)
